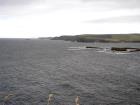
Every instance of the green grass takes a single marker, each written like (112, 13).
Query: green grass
(126, 37)
(101, 38)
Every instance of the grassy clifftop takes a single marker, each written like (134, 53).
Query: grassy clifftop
(101, 38)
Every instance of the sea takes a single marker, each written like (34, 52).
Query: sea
(32, 69)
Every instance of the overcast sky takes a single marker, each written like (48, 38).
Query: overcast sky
(43, 18)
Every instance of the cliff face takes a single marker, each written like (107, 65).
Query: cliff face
(101, 38)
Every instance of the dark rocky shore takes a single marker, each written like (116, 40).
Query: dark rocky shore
(118, 49)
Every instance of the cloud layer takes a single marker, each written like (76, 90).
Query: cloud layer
(31, 6)
(56, 17)
(16, 2)
(121, 19)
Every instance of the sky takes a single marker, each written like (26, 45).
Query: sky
(49, 18)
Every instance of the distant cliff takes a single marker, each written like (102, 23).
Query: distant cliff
(101, 38)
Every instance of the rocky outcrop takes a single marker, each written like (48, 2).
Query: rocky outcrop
(91, 47)
(127, 49)
(116, 49)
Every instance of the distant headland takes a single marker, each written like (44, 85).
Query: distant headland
(106, 38)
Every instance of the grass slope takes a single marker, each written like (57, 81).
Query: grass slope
(101, 38)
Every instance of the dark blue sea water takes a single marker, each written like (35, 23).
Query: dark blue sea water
(32, 69)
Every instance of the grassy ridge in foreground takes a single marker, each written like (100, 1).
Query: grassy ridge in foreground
(101, 38)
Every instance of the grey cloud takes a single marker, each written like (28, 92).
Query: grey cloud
(18, 7)
(111, 0)
(17, 2)
(122, 19)
(119, 3)
(12, 6)
(14, 2)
